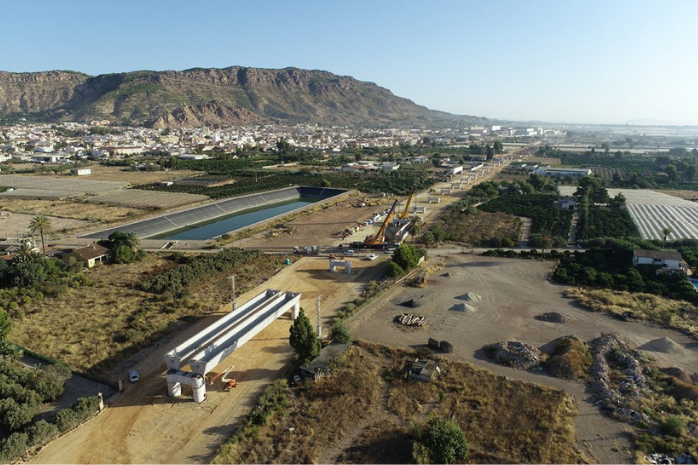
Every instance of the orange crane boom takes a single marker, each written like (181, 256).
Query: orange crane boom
(404, 214)
(381, 233)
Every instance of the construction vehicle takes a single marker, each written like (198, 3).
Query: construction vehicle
(210, 380)
(378, 241)
(229, 383)
(404, 214)
(309, 250)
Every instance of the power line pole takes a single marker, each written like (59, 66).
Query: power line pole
(235, 302)
(319, 322)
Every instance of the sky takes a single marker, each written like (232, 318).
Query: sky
(564, 61)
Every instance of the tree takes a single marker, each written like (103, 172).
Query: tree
(339, 332)
(416, 225)
(691, 172)
(303, 339)
(5, 325)
(490, 152)
(440, 441)
(666, 232)
(672, 172)
(406, 256)
(41, 224)
(498, 147)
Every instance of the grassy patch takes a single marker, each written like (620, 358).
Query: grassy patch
(94, 326)
(570, 359)
(675, 314)
(364, 411)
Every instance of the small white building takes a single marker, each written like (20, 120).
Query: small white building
(81, 171)
(453, 170)
(672, 260)
(194, 156)
(562, 172)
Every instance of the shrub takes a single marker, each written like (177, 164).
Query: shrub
(339, 333)
(13, 415)
(41, 431)
(394, 270)
(440, 441)
(673, 426)
(13, 447)
(65, 419)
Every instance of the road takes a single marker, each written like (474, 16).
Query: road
(143, 425)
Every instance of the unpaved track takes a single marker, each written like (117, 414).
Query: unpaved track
(514, 291)
(143, 425)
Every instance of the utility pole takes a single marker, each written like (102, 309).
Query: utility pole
(319, 323)
(235, 302)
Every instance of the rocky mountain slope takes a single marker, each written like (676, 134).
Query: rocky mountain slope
(216, 97)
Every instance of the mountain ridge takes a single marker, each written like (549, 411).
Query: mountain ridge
(212, 96)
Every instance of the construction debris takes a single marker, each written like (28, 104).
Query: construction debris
(552, 317)
(616, 395)
(410, 319)
(514, 354)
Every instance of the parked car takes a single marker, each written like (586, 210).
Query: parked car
(349, 252)
(133, 376)
(372, 257)
(390, 250)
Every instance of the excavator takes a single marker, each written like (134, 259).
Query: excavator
(228, 383)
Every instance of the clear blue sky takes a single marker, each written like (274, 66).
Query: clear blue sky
(562, 61)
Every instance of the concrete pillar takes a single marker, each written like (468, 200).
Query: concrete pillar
(174, 389)
(296, 311)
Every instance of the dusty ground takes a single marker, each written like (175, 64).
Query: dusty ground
(135, 178)
(682, 194)
(70, 209)
(143, 425)
(513, 291)
(14, 225)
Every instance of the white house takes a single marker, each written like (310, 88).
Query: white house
(672, 260)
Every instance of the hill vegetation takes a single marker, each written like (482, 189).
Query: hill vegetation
(215, 97)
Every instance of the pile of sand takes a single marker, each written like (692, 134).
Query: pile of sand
(664, 345)
(463, 308)
(472, 297)
(446, 275)
(412, 303)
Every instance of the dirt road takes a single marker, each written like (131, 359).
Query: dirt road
(513, 291)
(143, 425)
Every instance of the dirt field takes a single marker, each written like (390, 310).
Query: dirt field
(70, 209)
(682, 194)
(513, 291)
(135, 178)
(143, 425)
(12, 225)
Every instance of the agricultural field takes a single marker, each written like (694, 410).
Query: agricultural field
(653, 211)
(480, 228)
(609, 162)
(137, 198)
(133, 177)
(504, 421)
(541, 208)
(611, 174)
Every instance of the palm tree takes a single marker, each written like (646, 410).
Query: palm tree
(416, 225)
(666, 232)
(41, 224)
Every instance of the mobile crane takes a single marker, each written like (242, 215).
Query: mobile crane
(378, 241)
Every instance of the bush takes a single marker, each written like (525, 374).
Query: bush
(394, 270)
(14, 416)
(673, 426)
(339, 333)
(65, 419)
(440, 441)
(13, 447)
(41, 431)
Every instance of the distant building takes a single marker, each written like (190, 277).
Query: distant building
(562, 172)
(81, 171)
(194, 156)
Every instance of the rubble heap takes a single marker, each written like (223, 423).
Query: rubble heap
(410, 319)
(619, 397)
(514, 354)
(552, 317)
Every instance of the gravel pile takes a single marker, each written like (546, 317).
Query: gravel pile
(626, 391)
(552, 317)
(514, 354)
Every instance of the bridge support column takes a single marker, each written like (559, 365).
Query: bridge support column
(174, 389)
(296, 311)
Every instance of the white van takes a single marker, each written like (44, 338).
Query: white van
(349, 252)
